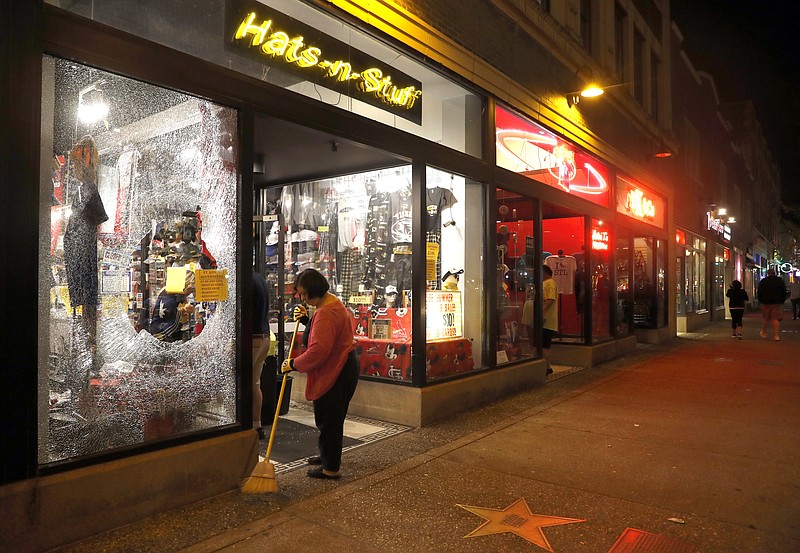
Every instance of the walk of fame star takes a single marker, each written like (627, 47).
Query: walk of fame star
(517, 519)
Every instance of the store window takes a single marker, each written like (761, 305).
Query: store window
(721, 262)
(697, 284)
(662, 307)
(563, 234)
(624, 302)
(454, 302)
(600, 283)
(516, 288)
(331, 59)
(139, 339)
(356, 230)
(689, 274)
(645, 311)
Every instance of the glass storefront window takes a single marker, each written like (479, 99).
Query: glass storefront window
(644, 295)
(332, 58)
(137, 320)
(720, 268)
(600, 283)
(516, 265)
(624, 300)
(357, 231)
(454, 302)
(698, 283)
(681, 297)
(564, 252)
(661, 283)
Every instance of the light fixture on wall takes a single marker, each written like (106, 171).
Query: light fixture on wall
(92, 107)
(590, 89)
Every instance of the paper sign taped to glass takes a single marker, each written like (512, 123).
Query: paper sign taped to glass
(211, 285)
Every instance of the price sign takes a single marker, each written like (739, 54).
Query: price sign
(443, 313)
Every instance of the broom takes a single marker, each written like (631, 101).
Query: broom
(262, 479)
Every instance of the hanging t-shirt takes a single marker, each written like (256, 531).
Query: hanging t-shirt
(401, 217)
(564, 267)
(436, 200)
(347, 222)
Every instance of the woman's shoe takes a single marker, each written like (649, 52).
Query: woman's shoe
(317, 473)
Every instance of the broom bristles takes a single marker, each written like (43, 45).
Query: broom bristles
(261, 480)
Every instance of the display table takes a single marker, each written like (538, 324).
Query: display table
(392, 358)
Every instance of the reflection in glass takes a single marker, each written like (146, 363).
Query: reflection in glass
(600, 283)
(514, 279)
(624, 303)
(565, 253)
(140, 332)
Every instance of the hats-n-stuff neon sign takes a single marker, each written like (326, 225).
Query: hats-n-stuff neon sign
(281, 38)
(526, 148)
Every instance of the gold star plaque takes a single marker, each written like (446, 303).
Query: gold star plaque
(517, 519)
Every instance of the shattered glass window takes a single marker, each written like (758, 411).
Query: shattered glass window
(137, 334)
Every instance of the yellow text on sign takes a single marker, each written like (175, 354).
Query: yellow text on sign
(432, 256)
(211, 284)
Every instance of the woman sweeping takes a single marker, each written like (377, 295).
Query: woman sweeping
(330, 364)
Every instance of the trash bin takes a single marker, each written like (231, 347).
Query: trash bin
(268, 394)
(270, 390)
(286, 394)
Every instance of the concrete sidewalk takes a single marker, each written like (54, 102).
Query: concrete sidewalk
(688, 446)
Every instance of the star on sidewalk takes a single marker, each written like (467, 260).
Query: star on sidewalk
(517, 519)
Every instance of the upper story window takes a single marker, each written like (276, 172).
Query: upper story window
(639, 48)
(655, 82)
(691, 150)
(620, 40)
(586, 25)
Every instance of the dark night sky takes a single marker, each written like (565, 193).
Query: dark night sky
(752, 49)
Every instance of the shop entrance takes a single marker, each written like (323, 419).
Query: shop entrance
(311, 193)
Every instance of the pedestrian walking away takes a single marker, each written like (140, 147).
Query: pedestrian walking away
(771, 296)
(737, 298)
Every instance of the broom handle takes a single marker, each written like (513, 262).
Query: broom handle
(280, 396)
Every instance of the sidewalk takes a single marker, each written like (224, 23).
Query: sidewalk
(692, 445)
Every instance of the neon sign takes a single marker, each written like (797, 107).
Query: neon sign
(526, 148)
(639, 206)
(718, 226)
(599, 239)
(636, 201)
(319, 58)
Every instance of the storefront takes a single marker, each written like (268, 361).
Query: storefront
(174, 151)
(690, 277)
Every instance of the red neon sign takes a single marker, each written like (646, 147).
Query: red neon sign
(599, 239)
(529, 149)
